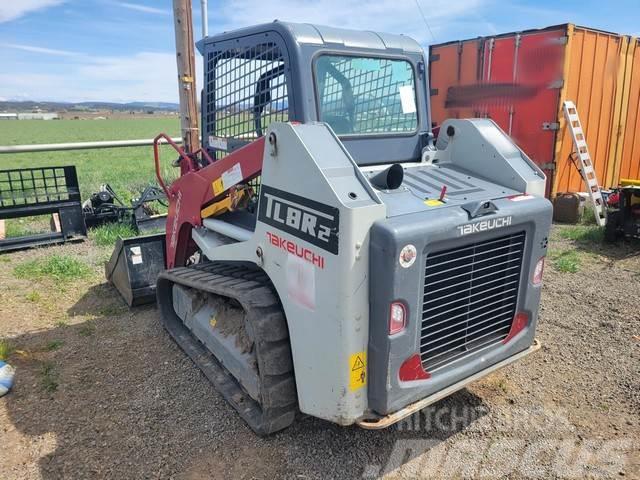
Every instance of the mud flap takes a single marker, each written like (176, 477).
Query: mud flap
(134, 267)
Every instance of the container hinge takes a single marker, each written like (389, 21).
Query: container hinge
(434, 57)
(548, 166)
(433, 92)
(559, 40)
(556, 83)
(550, 126)
(518, 39)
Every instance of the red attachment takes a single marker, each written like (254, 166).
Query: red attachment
(187, 162)
(412, 369)
(520, 321)
(193, 191)
(613, 199)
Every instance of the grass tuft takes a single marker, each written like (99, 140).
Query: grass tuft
(583, 234)
(62, 323)
(33, 297)
(87, 329)
(5, 350)
(106, 235)
(110, 310)
(49, 376)
(567, 261)
(63, 268)
(502, 384)
(589, 216)
(54, 345)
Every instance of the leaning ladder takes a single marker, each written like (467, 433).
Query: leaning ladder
(585, 165)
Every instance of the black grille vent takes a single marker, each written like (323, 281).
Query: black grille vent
(470, 297)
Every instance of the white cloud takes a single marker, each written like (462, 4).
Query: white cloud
(149, 76)
(145, 76)
(143, 8)
(12, 9)
(35, 49)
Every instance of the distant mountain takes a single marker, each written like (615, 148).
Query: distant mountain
(28, 106)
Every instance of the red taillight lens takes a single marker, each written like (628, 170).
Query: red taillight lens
(411, 369)
(520, 321)
(537, 272)
(397, 318)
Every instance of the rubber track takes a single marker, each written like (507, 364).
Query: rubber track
(254, 291)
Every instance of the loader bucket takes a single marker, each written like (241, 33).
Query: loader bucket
(134, 267)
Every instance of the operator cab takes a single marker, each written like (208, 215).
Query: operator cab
(371, 88)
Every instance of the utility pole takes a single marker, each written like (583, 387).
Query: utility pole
(185, 55)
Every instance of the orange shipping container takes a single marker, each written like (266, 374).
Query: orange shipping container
(520, 80)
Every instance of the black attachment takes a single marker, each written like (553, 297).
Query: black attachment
(104, 206)
(390, 178)
(28, 192)
(134, 267)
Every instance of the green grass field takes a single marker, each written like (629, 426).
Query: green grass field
(127, 170)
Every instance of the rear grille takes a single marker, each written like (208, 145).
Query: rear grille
(470, 297)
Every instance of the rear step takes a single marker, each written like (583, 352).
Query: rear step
(252, 289)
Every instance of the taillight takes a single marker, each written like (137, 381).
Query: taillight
(520, 321)
(411, 369)
(397, 318)
(537, 272)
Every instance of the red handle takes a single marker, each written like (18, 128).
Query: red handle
(186, 161)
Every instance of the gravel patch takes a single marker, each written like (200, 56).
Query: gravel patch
(130, 404)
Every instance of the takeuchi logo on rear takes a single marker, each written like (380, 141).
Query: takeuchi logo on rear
(484, 225)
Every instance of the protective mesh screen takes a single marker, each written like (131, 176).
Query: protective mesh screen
(245, 91)
(31, 186)
(366, 95)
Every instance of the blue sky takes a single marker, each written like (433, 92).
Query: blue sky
(112, 50)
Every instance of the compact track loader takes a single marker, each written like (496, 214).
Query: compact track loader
(325, 253)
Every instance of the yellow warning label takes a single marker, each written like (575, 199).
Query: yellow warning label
(357, 370)
(432, 202)
(218, 186)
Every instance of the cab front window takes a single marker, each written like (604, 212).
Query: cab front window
(361, 96)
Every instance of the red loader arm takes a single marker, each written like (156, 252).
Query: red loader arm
(199, 187)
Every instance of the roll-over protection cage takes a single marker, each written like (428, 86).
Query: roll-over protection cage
(270, 72)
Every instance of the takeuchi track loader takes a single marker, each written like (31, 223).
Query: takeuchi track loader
(325, 253)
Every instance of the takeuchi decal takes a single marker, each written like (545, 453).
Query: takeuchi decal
(295, 249)
(484, 225)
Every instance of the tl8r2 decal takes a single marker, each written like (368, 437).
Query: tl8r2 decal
(306, 219)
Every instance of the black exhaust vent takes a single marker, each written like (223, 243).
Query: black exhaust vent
(470, 298)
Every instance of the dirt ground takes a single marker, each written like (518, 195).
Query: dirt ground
(103, 392)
